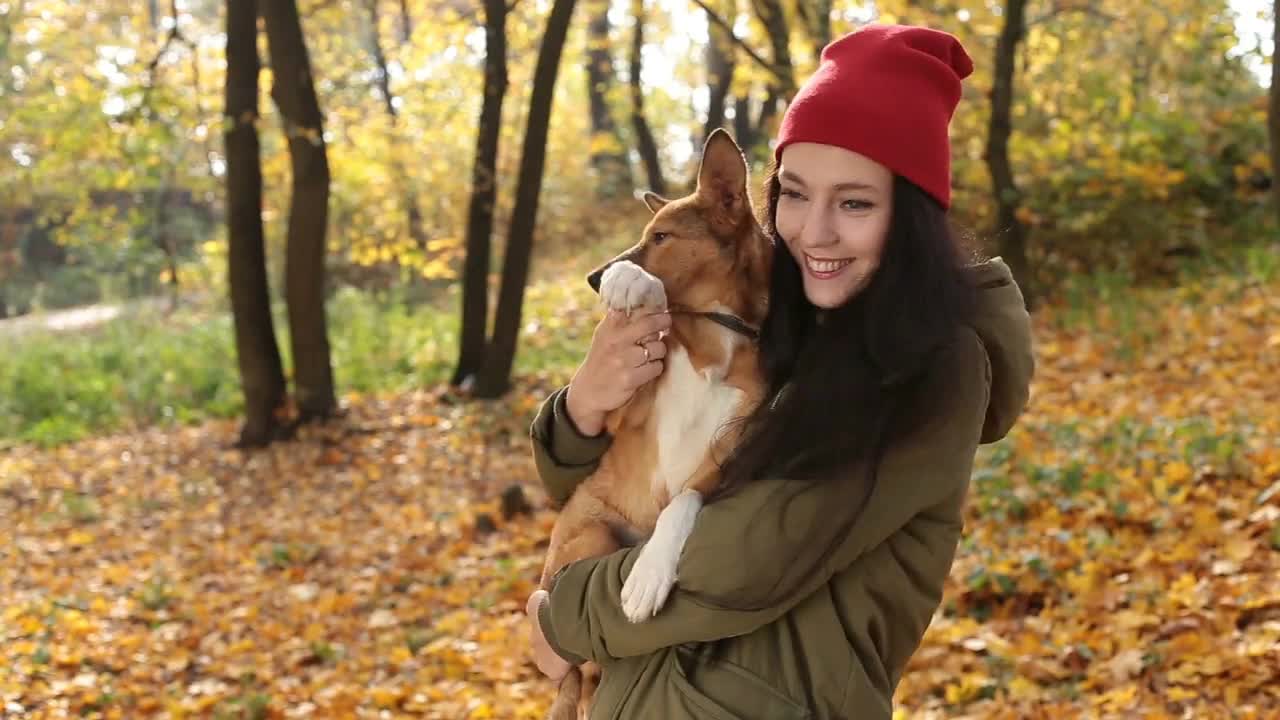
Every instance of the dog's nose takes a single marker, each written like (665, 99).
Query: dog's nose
(594, 279)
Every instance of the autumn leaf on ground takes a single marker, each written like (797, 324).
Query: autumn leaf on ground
(1119, 558)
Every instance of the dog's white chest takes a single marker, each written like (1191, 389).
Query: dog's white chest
(691, 408)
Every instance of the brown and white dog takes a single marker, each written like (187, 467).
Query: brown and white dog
(706, 259)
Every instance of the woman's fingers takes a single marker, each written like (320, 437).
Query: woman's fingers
(654, 350)
(646, 372)
(546, 659)
(625, 354)
(643, 354)
(662, 335)
(535, 600)
(642, 326)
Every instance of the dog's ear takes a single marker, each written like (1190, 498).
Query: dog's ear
(653, 200)
(722, 180)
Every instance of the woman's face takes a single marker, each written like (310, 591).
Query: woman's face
(833, 213)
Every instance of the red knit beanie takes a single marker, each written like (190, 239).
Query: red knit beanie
(887, 92)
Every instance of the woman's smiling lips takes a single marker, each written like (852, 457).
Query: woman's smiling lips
(825, 268)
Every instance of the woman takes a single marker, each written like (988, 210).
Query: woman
(810, 578)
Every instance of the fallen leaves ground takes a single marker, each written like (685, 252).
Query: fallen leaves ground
(1122, 556)
(166, 574)
(1122, 553)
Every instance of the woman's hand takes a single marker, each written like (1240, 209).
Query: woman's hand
(547, 660)
(625, 353)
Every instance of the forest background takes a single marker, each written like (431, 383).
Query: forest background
(282, 282)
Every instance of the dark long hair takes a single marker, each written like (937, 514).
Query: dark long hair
(841, 381)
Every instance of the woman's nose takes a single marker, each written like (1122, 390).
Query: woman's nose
(817, 230)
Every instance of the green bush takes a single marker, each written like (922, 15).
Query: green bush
(163, 369)
(137, 371)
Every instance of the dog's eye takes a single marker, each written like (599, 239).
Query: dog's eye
(660, 237)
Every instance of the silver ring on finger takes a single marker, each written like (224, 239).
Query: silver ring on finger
(645, 348)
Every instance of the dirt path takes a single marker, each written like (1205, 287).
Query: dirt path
(76, 319)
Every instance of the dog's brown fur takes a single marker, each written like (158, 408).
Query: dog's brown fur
(715, 257)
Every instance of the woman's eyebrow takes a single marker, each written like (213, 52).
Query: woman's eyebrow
(854, 185)
(791, 177)
(848, 185)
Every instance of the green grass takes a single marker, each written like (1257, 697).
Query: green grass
(181, 368)
(59, 387)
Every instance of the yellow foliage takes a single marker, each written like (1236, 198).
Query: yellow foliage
(443, 244)
(604, 143)
(438, 270)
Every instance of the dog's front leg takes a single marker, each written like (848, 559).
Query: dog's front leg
(654, 573)
(626, 286)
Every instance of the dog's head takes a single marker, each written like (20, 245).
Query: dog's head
(707, 248)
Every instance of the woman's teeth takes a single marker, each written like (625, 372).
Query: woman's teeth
(825, 267)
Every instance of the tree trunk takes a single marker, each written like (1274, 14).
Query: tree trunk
(815, 17)
(768, 110)
(742, 129)
(1011, 231)
(8, 246)
(495, 376)
(484, 193)
(383, 80)
(261, 373)
(608, 154)
(720, 65)
(774, 19)
(162, 235)
(406, 23)
(782, 85)
(294, 94)
(644, 136)
(822, 25)
(1273, 113)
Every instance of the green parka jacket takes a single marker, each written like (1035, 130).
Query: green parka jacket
(832, 644)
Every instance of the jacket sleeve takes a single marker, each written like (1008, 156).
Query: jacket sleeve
(563, 455)
(796, 541)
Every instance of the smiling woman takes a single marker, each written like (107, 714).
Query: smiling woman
(809, 578)
(833, 213)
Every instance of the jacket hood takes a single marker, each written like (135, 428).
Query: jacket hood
(1003, 325)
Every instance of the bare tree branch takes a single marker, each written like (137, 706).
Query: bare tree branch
(153, 67)
(1059, 9)
(715, 18)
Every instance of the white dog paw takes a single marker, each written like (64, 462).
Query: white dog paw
(649, 582)
(626, 286)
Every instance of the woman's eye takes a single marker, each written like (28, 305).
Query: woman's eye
(658, 237)
(856, 205)
(788, 193)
